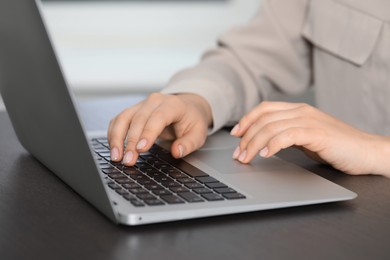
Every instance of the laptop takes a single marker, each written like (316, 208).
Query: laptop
(159, 188)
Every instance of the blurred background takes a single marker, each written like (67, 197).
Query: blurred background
(135, 46)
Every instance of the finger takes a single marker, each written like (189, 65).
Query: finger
(308, 138)
(264, 108)
(259, 140)
(161, 118)
(265, 120)
(136, 128)
(117, 132)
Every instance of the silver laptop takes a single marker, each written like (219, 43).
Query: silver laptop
(159, 188)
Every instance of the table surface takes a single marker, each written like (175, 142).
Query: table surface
(43, 218)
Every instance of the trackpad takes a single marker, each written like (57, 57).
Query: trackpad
(222, 162)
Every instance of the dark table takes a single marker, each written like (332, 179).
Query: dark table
(43, 218)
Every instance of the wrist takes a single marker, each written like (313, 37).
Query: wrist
(381, 156)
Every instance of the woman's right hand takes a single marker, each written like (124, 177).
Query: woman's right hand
(182, 118)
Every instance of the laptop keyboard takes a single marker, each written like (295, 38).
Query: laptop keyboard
(159, 179)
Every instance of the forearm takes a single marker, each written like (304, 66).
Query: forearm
(251, 62)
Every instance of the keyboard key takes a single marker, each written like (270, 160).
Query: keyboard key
(105, 166)
(146, 196)
(118, 165)
(116, 176)
(153, 187)
(121, 191)
(114, 186)
(105, 154)
(110, 170)
(202, 190)
(170, 169)
(148, 169)
(155, 202)
(212, 196)
(145, 182)
(156, 174)
(129, 197)
(163, 179)
(171, 199)
(132, 185)
(141, 165)
(124, 181)
(233, 196)
(190, 197)
(213, 185)
(161, 192)
(176, 174)
(102, 140)
(170, 184)
(179, 189)
(131, 171)
(194, 185)
(207, 179)
(161, 166)
(139, 177)
(181, 164)
(100, 149)
(185, 180)
(137, 203)
(138, 191)
(224, 190)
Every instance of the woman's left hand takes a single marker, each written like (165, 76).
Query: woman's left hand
(272, 126)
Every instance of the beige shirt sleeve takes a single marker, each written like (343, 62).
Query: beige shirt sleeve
(251, 62)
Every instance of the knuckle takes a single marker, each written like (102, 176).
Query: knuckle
(244, 139)
(159, 116)
(307, 109)
(131, 143)
(264, 118)
(139, 118)
(157, 121)
(176, 103)
(265, 104)
(271, 127)
(253, 145)
(277, 142)
(291, 134)
(245, 120)
(287, 138)
(112, 121)
(121, 117)
(150, 133)
(155, 96)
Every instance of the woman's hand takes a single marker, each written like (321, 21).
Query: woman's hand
(272, 126)
(184, 118)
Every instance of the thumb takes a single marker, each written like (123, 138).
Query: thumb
(189, 142)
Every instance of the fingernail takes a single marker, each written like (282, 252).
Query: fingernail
(264, 152)
(114, 154)
(181, 150)
(235, 129)
(141, 144)
(128, 157)
(236, 153)
(242, 156)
